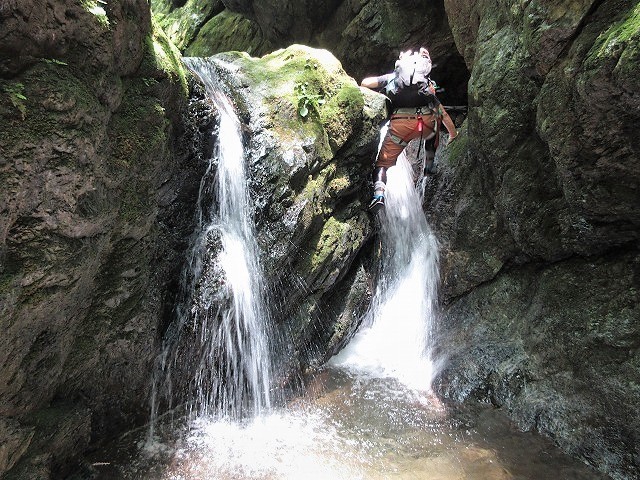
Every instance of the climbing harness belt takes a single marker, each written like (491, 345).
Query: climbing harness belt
(419, 126)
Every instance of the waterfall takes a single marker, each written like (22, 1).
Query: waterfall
(219, 342)
(367, 419)
(394, 338)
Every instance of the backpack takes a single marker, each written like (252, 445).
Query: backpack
(411, 69)
(410, 85)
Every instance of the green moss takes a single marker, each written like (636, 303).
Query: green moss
(162, 55)
(96, 7)
(139, 137)
(226, 31)
(624, 31)
(284, 69)
(338, 238)
(629, 27)
(181, 24)
(316, 185)
(7, 285)
(338, 184)
(139, 128)
(457, 150)
(329, 121)
(160, 9)
(135, 201)
(49, 91)
(15, 92)
(340, 113)
(327, 242)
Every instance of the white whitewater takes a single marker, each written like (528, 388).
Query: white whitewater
(394, 338)
(236, 340)
(220, 341)
(371, 417)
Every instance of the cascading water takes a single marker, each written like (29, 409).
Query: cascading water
(393, 341)
(220, 339)
(368, 416)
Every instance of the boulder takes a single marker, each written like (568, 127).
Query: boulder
(312, 137)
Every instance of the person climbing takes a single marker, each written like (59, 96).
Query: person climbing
(416, 113)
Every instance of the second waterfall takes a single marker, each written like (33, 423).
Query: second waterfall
(217, 354)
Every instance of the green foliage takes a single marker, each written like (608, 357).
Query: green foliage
(15, 91)
(162, 54)
(618, 35)
(307, 101)
(54, 61)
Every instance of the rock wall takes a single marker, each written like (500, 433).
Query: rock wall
(537, 211)
(92, 178)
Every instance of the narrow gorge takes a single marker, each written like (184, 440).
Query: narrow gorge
(108, 141)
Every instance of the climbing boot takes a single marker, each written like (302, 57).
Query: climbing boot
(377, 203)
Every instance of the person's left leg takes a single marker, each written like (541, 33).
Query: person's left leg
(430, 155)
(379, 185)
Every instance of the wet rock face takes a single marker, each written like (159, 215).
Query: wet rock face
(537, 210)
(310, 181)
(90, 98)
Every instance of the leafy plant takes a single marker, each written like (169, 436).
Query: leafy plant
(54, 61)
(307, 101)
(310, 64)
(17, 97)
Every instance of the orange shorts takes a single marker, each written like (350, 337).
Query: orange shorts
(404, 127)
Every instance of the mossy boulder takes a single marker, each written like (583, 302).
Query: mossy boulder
(314, 133)
(228, 31)
(183, 23)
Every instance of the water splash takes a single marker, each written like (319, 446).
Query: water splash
(219, 340)
(393, 341)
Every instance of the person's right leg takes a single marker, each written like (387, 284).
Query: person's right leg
(400, 132)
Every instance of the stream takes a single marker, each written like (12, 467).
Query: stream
(346, 427)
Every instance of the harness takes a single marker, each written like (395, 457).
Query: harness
(416, 113)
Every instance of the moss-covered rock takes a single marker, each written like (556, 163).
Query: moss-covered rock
(309, 177)
(87, 130)
(227, 31)
(183, 23)
(529, 355)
